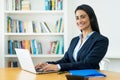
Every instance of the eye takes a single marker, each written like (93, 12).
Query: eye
(80, 17)
(77, 17)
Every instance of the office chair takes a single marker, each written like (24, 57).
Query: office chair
(104, 64)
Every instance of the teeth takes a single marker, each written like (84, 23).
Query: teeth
(80, 24)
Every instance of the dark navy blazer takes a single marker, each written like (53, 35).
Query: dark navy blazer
(89, 56)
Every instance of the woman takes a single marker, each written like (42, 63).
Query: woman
(86, 50)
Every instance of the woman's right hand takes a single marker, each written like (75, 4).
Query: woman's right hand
(40, 65)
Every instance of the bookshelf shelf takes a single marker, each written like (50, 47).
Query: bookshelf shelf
(12, 56)
(38, 26)
(37, 56)
(34, 34)
(46, 56)
(34, 12)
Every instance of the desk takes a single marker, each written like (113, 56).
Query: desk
(18, 74)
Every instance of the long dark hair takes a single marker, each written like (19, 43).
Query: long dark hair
(92, 16)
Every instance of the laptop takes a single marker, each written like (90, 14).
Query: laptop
(25, 60)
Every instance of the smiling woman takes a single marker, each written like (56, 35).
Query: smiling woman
(86, 50)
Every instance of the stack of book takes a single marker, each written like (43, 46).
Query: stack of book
(12, 64)
(26, 5)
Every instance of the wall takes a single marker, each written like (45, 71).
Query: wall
(1, 33)
(108, 15)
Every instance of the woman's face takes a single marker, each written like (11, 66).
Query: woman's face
(82, 20)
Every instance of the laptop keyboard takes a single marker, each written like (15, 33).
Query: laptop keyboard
(39, 70)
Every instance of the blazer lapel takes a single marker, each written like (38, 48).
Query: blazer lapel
(87, 45)
(73, 45)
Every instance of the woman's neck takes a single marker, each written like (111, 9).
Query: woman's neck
(85, 33)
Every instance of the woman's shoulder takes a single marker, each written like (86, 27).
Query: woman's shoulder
(75, 38)
(100, 36)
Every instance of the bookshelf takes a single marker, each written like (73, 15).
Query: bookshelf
(27, 22)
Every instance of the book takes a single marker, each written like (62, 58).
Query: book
(45, 27)
(53, 4)
(34, 27)
(26, 5)
(12, 64)
(34, 47)
(61, 46)
(87, 73)
(10, 47)
(9, 23)
(15, 45)
(27, 44)
(60, 4)
(53, 47)
(46, 5)
(39, 47)
(60, 24)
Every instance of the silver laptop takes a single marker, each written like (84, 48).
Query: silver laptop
(26, 62)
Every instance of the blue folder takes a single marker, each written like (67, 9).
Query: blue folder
(87, 73)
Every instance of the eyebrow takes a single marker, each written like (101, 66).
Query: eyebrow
(81, 15)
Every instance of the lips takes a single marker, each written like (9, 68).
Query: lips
(81, 24)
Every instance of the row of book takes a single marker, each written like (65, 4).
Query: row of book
(12, 64)
(18, 5)
(35, 47)
(53, 4)
(26, 4)
(19, 26)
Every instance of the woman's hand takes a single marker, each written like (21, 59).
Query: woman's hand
(50, 67)
(47, 67)
(40, 65)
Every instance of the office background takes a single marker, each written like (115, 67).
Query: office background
(108, 15)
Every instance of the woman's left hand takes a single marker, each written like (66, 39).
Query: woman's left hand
(50, 67)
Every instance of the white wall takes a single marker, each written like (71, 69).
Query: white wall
(108, 15)
(1, 33)
(114, 65)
